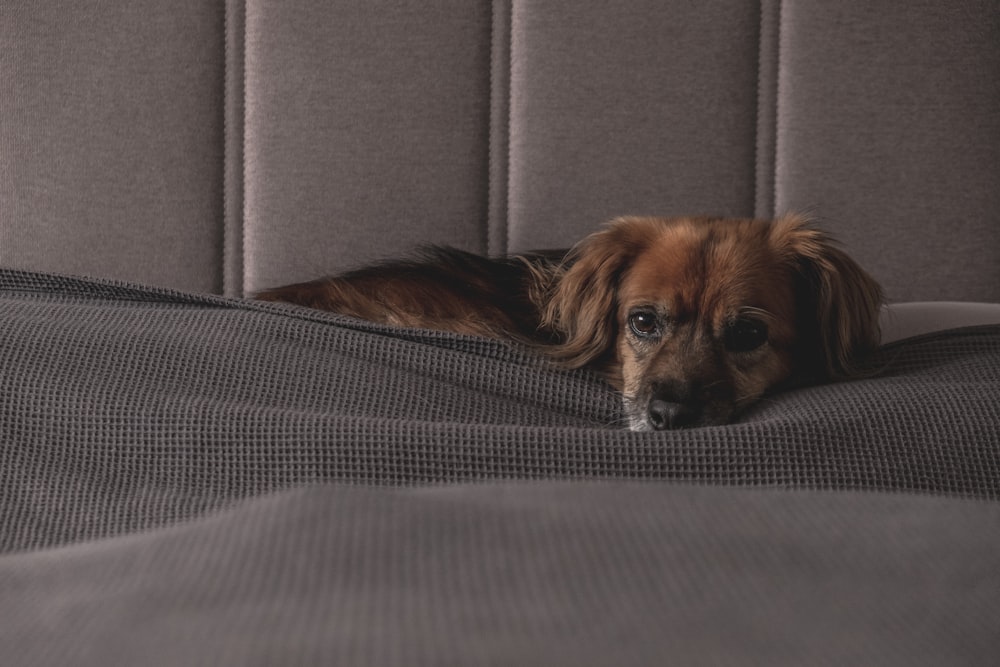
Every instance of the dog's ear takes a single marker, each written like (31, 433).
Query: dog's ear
(582, 305)
(838, 302)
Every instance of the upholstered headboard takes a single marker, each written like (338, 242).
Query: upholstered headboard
(228, 146)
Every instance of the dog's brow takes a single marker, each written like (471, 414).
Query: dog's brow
(759, 312)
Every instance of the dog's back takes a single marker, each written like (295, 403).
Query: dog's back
(441, 288)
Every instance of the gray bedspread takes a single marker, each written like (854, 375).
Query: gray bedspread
(187, 479)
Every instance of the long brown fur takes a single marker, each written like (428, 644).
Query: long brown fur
(735, 307)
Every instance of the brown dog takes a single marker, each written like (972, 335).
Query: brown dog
(692, 319)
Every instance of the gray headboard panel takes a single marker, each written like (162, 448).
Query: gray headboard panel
(889, 128)
(111, 139)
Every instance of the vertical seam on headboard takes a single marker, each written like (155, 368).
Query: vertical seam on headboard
(498, 186)
(765, 150)
(234, 136)
(778, 27)
(490, 151)
(223, 267)
(758, 111)
(242, 145)
(508, 65)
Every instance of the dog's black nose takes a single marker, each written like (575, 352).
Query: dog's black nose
(665, 415)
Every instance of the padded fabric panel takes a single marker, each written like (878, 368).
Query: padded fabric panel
(111, 139)
(367, 132)
(638, 108)
(889, 127)
(904, 320)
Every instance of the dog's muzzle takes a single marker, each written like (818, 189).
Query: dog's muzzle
(663, 415)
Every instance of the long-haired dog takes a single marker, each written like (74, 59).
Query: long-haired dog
(692, 319)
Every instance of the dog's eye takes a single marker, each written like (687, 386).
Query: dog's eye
(643, 323)
(745, 334)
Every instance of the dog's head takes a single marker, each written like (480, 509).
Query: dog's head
(694, 319)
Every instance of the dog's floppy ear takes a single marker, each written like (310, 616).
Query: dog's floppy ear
(583, 303)
(838, 303)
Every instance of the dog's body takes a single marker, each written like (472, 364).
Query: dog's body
(692, 319)
(441, 288)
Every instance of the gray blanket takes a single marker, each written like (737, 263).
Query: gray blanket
(187, 479)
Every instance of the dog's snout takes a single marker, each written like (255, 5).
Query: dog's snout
(665, 415)
(675, 404)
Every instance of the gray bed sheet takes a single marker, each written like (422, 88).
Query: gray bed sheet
(188, 479)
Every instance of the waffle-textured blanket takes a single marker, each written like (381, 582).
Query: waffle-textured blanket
(188, 479)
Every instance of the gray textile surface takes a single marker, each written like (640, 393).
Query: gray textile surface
(890, 113)
(232, 146)
(111, 139)
(189, 479)
(639, 108)
(377, 118)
